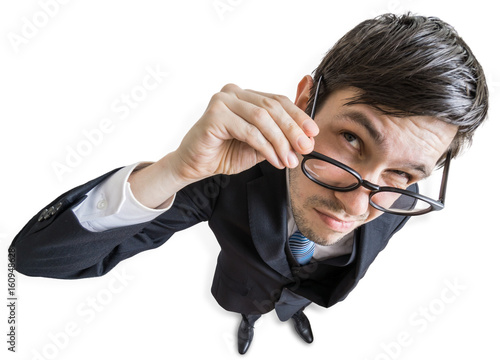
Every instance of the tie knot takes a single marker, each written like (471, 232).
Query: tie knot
(301, 247)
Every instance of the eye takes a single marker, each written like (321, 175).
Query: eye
(400, 179)
(402, 174)
(352, 139)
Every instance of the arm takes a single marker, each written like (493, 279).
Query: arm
(238, 129)
(59, 246)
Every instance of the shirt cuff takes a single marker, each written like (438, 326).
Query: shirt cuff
(111, 204)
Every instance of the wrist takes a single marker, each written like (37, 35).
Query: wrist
(155, 185)
(172, 174)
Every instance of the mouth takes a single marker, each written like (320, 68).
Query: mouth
(334, 223)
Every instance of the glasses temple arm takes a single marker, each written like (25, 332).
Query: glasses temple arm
(313, 110)
(444, 181)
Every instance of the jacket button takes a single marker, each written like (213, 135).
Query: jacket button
(48, 213)
(42, 215)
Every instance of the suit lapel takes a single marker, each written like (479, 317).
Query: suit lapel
(267, 217)
(372, 239)
(267, 212)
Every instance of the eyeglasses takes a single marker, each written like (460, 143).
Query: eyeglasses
(337, 176)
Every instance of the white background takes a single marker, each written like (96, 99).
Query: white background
(63, 80)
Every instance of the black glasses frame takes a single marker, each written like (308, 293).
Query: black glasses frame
(435, 205)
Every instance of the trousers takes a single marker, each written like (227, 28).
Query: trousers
(288, 304)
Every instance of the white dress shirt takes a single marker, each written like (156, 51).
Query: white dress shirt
(111, 204)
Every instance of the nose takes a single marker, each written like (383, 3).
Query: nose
(370, 186)
(356, 203)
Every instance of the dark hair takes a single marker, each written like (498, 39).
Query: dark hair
(409, 65)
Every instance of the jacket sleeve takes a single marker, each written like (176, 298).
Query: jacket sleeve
(54, 244)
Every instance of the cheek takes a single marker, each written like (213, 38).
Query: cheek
(301, 189)
(296, 184)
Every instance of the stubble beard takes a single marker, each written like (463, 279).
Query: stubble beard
(304, 225)
(315, 201)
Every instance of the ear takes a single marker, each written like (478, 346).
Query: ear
(303, 91)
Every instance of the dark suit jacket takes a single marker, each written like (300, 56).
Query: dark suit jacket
(246, 212)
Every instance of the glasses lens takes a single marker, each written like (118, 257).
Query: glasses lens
(394, 201)
(329, 174)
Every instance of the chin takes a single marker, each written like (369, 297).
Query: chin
(326, 239)
(332, 240)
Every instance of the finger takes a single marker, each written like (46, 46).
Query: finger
(251, 135)
(261, 119)
(302, 119)
(241, 130)
(293, 121)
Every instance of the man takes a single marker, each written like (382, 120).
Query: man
(393, 99)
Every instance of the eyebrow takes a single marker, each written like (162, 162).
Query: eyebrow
(363, 120)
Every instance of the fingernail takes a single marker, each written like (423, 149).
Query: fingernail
(304, 142)
(293, 161)
(277, 162)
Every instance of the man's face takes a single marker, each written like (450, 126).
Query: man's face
(377, 146)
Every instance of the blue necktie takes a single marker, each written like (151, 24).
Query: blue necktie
(302, 248)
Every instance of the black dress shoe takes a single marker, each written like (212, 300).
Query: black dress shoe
(302, 326)
(245, 336)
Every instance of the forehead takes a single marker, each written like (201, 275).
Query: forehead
(422, 138)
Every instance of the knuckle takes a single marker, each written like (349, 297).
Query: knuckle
(254, 133)
(259, 115)
(271, 104)
(230, 88)
(217, 102)
(280, 98)
(217, 97)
